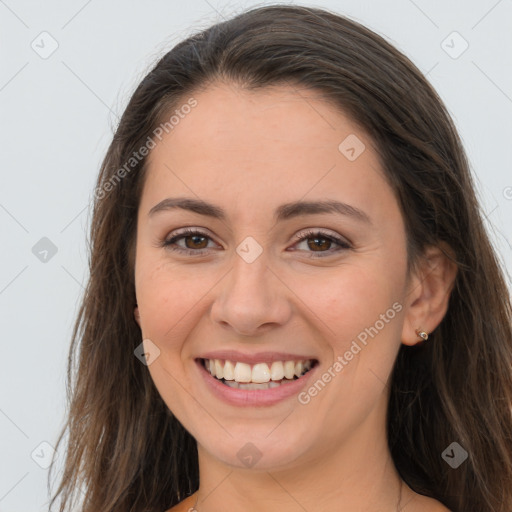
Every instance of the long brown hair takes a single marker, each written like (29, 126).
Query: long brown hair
(126, 450)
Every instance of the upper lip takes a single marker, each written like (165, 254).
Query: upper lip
(260, 357)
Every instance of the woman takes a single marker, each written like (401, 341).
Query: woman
(293, 303)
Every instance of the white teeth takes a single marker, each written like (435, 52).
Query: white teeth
(259, 374)
(250, 385)
(242, 372)
(289, 369)
(277, 370)
(219, 369)
(229, 371)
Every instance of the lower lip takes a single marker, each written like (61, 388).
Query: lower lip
(253, 397)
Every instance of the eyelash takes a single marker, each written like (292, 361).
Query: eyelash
(171, 243)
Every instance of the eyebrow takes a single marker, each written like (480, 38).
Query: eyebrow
(283, 212)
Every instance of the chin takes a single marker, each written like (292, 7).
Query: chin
(271, 450)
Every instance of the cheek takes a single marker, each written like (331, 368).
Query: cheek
(170, 299)
(170, 306)
(350, 299)
(360, 313)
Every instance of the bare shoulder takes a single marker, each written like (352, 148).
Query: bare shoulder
(420, 503)
(187, 505)
(414, 502)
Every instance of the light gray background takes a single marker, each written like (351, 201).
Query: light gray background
(57, 117)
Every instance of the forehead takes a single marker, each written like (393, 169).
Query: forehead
(265, 147)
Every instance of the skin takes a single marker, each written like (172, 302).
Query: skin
(249, 153)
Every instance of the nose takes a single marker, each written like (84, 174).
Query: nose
(252, 299)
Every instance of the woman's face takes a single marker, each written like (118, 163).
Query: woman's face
(247, 290)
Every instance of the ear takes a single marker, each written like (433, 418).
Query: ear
(428, 292)
(136, 314)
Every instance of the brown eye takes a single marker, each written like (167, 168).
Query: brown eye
(320, 242)
(195, 242)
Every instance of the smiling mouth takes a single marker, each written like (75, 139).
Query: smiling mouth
(258, 376)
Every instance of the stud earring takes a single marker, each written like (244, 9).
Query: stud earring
(422, 334)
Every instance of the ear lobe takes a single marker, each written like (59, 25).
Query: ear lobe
(429, 293)
(136, 315)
